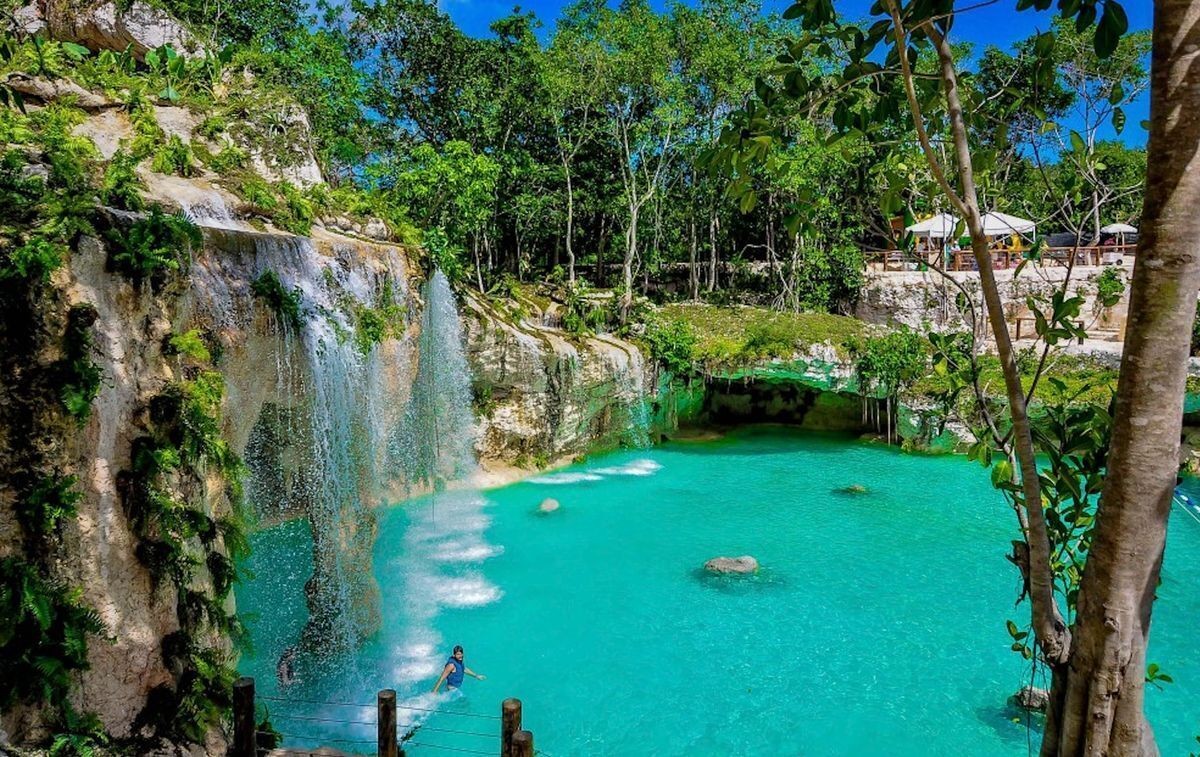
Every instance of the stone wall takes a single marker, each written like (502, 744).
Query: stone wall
(542, 395)
(924, 299)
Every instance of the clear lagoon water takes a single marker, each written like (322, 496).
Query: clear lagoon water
(876, 625)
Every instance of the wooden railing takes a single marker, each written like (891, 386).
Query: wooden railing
(391, 736)
(964, 260)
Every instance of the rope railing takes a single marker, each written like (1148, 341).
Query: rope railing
(392, 737)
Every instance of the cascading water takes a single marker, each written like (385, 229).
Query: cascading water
(444, 542)
(338, 393)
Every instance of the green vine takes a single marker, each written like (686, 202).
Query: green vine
(285, 304)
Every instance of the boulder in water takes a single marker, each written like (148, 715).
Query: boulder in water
(741, 565)
(549, 505)
(1031, 698)
(853, 489)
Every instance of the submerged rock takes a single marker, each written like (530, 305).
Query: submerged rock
(743, 564)
(549, 505)
(852, 489)
(1031, 698)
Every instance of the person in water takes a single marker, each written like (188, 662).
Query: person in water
(454, 671)
(285, 671)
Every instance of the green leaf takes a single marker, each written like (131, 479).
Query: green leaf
(1001, 473)
(75, 52)
(1077, 142)
(1118, 120)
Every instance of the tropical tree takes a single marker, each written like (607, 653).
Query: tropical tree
(1096, 656)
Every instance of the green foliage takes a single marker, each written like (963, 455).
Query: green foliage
(672, 344)
(212, 126)
(295, 213)
(258, 194)
(44, 630)
(121, 186)
(190, 344)
(231, 158)
(174, 157)
(77, 374)
(153, 246)
(383, 321)
(1110, 286)
(887, 364)
(286, 305)
(52, 500)
(444, 254)
(78, 735)
(736, 337)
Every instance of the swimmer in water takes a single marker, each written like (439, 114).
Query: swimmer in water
(454, 671)
(285, 671)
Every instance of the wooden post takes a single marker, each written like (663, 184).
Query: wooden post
(244, 742)
(510, 723)
(522, 744)
(385, 720)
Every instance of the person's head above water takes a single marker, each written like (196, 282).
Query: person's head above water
(458, 651)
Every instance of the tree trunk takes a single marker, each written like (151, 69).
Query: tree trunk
(693, 273)
(631, 241)
(570, 225)
(1096, 704)
(712, 250)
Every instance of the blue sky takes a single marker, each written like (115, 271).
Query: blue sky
(997, 24)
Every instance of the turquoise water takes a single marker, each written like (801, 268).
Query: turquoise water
(875, 626)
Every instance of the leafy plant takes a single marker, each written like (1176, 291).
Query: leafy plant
(190, 344)
(1110, 286)
(153, 245)
(672, 344)
(121, 187)
(52, 500)
(78, 735)
(78, 373)
(285, 304)
(174, 157)
(231, 158)
(44, 630)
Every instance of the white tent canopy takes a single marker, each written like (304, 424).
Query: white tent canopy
(1118, 228)
(996, 224)
(939, 227)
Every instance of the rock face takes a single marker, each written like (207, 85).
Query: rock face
(738, 565)
(923, 299)
(1031, 698)
(542, 395)
(111, 25)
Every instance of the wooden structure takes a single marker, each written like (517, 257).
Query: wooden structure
(514, 741)
(964, 260)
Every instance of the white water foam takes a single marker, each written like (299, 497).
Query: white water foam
(632, 468)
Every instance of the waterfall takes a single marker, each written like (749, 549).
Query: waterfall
(444, 540)
(210, 210)
(333, 399)
(438, 429)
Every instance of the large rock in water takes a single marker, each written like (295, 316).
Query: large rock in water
(743, 564)
(1031, 698)
(549, 505)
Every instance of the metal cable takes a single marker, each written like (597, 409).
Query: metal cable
(448, 748)
(314, 719)
(398, 707)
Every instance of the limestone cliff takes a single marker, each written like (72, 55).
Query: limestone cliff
(543, 394)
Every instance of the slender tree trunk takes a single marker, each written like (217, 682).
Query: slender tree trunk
(1097, 700)
(570, 225)
(693, 273)
(631, 242)
(1051, 631)
(712, 249)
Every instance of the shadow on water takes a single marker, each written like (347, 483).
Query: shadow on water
(1013, 724)
(764, 580)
